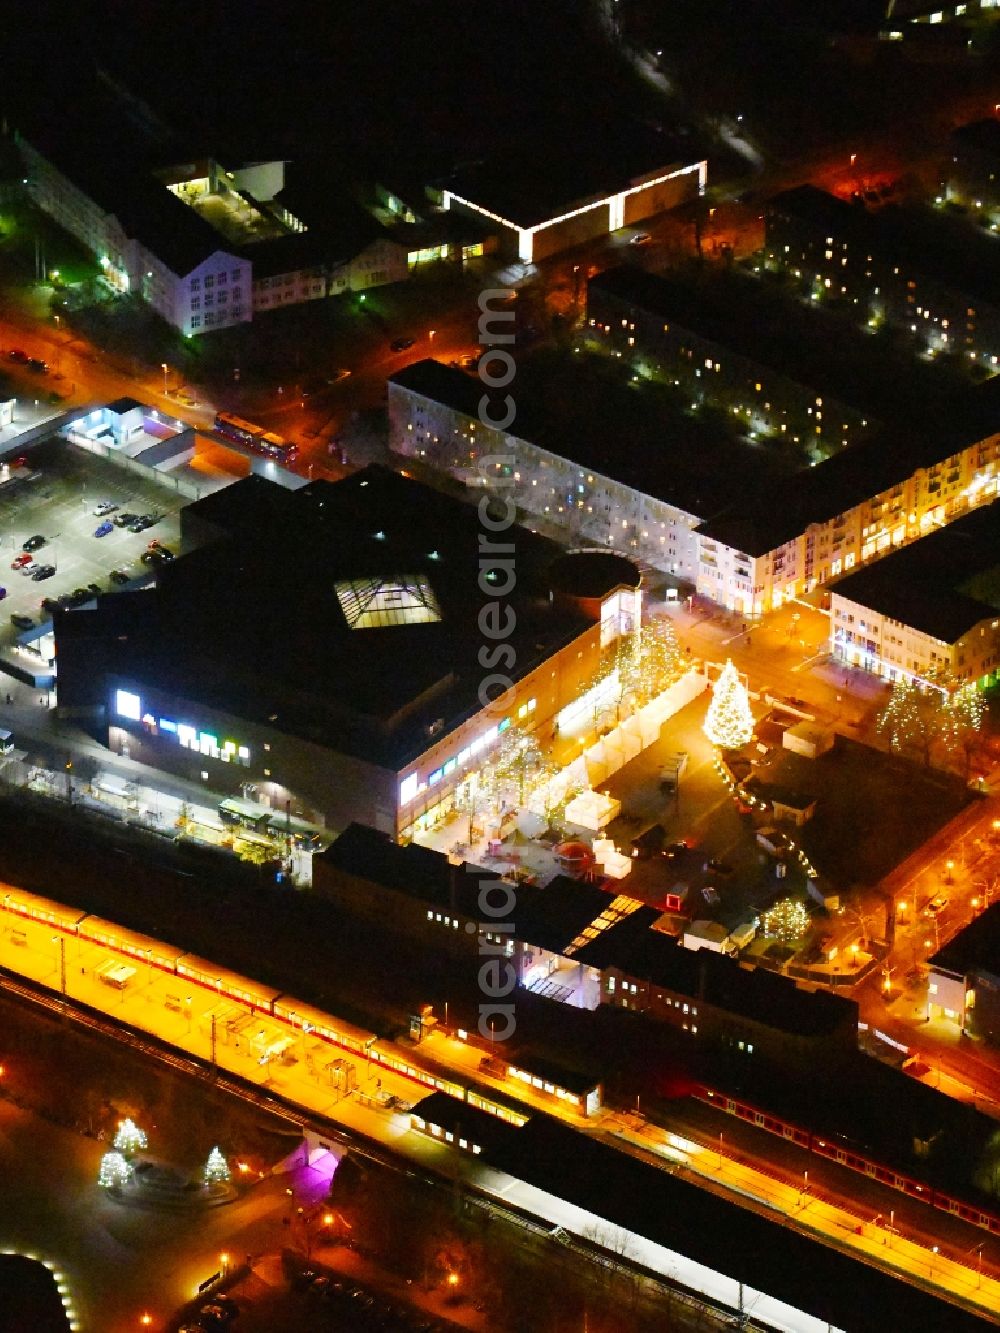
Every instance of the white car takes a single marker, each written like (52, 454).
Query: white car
(29, 567)
(105, 507)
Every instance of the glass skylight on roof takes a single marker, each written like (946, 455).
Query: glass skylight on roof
(377, 603)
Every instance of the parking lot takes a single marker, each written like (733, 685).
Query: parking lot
(54, 496)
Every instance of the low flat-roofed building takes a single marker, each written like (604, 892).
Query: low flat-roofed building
(928, 609)
(963, 978)
(589, 184)
(752, 1015)
(328, 648)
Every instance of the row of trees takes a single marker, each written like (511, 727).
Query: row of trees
(641, 665)
(942, 721)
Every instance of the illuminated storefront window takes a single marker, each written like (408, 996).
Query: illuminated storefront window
(129, 705)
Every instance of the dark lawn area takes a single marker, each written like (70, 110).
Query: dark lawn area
(872, 809)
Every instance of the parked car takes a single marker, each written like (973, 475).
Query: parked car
(29, 566)
(640, 238)
(118, 576)
(105, 507)
(39, 366)
(22, 622)
(153, 558)
(103, 529)
(676, 850)
(401, 344)
(123, 520)
(937, 904)
(3, 593)
(143, 522)
(33, 543)
(164, 552)
(43, 572)
(17, 355)
(21, 560)
(49, 604)
(718, 867)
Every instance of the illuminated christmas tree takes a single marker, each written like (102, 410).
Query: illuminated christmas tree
(729, 722)
(130, 1139)
(116, 1171)
(216, 1168)
(787, 920)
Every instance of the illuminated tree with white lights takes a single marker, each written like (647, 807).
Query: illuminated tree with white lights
(130, 1139)
(729, 722)
(787, 920)
(216, 1168)
(116, 1171)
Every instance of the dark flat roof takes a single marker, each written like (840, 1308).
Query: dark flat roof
(877, 463)
(974, 947)
(927, 585)
(419, 872)
(122, 405)
(284, 654)
(552, 918)
(93, 150)
(764, 997)
(681, 464)
(983, 136)
(564, 168)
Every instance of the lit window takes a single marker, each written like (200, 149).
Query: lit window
(128, 705)
(408, 789)
(187, 736)
(167, 725)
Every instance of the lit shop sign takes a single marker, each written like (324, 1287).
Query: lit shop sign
(129, 705)
(411, 785)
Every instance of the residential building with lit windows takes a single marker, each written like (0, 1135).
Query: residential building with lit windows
(601, 489)
(932, 275)
(715, 341)
(740, 536)
(206, 247)
(929, 609)
(963, 978)
(148, 244)
(891, 489)
(348, 682)
(972, 171)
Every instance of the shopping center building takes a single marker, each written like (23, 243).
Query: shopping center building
(341, 648)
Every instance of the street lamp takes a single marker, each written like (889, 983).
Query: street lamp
(163, 367)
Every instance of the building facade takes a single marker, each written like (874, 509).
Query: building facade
(434, 416)
(665, 329)
(798, 534)
(942, 289)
